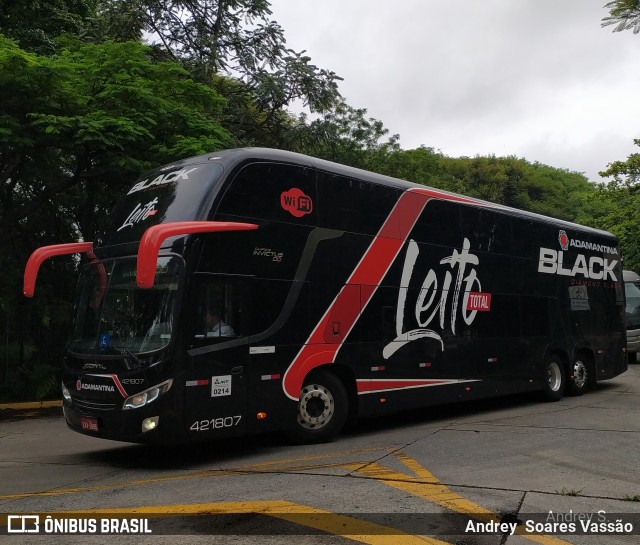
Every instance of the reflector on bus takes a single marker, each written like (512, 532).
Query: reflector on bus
(153, 238)
(45, 252)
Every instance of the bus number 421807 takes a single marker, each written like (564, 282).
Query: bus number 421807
(216, 423)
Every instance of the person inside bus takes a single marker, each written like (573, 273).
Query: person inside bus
(215, 326)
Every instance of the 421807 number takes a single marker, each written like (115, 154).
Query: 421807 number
(216, 423)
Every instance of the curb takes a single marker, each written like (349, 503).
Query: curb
(30, 405)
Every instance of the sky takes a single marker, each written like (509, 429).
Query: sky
(536, 79)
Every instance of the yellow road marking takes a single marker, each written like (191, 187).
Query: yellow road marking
(425, 485)
(251, 468)
(319, 519)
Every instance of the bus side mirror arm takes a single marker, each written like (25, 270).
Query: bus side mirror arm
(153, 238)
(45, 252)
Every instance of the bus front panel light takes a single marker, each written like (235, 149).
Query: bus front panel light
(147, 396)
(66, 394)
(149, 424)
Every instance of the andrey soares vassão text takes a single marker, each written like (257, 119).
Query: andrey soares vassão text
(556, 523)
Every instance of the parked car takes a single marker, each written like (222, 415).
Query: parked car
(632, 295)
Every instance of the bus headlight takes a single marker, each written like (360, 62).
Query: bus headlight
(65, 393)
(147, 396)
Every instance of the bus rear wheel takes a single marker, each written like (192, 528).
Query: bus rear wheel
(554, 384)
(322, 409)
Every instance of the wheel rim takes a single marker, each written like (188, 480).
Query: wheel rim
(579, 374)
(555, 376)
(316, 407)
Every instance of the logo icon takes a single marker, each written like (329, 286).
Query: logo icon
(23, 524)
(140, 213)
(103, 342)
(563, 239)
(296, 202)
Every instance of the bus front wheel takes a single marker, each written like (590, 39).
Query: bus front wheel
(322, 409)
(554, 382)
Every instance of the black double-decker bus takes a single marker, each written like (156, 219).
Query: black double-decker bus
(253, 289)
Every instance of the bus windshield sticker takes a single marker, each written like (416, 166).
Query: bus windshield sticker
(221, 386)
(163, 179)
(296, 202)
(140, 213)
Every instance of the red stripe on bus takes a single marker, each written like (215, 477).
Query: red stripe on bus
(369, 386)
(365, 279)
(121, 389)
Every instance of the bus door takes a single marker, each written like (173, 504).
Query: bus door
(215, 379)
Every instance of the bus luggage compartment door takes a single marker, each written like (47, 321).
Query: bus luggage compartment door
(215, 393)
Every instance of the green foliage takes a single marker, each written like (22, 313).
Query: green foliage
(624, 14)
(81, 125)
(616, 207)
(118, 20)
(34, 24)
(75, 129)
(625, 172)
(344, 135)
(504, 180)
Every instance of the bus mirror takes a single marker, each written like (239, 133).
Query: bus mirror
(45, 252)
(154, 236)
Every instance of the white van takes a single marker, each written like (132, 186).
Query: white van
(632, 295)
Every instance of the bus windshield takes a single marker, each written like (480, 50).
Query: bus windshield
(114, 316)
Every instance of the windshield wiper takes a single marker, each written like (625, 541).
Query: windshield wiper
(138, 361)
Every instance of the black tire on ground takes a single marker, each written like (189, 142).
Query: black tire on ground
(322, 409)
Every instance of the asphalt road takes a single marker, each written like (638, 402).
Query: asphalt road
(430, 476)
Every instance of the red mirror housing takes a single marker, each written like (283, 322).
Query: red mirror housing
(153, 238)
(45, 252)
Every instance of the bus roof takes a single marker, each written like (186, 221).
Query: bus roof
(231, 158)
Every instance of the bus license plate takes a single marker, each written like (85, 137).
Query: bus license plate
(89, 424)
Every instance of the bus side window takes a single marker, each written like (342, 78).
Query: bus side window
(353, 205)
(220, 309)
(272, 191)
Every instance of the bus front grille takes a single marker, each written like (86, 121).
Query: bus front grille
(94, 405)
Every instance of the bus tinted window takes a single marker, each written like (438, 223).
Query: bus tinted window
(488, 231)
(353, 205)
(220, 309)
(161, 196)
(439, 224)
(272, 191)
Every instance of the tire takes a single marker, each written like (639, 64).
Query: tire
(555, 380)
(578, 379)
(322, 409)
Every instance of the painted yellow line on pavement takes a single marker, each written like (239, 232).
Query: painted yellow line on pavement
(319, 519)
(239, 470)
(425, 485)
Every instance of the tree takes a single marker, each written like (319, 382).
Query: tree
(80, 126)
(76, 129)
(617, 207)
(624, 14)
(344, 135)
(625, 172)
(233, 38)
(34, 24)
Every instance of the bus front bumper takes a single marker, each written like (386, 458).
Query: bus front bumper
(153, 424)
